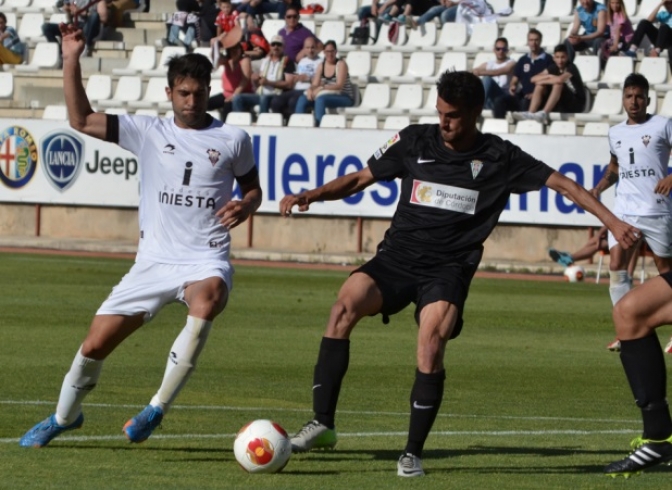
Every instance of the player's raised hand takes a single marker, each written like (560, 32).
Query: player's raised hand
(291, 200)
(72, 41)
(234, 213)
(664, 186)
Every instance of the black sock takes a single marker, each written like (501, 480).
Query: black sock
(332, 364)
(426, 397)
(644, 367)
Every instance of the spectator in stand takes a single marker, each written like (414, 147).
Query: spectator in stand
(285, 103)
(496, 74)
(415, 7)
(185, 20)
(208, 15)
(331, 86)
(11, 47)
(255, 45)
(88, 21)
(620, 31)
(660, 37)
(527, 66)
(237, 75)
(258, 8)
(592, 16)
(294, 33)
(275, 76)
(227, 18)
(375, 11)
(446, 11)
(560, 86)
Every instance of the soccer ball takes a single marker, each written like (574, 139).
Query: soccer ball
(574, 273)
(262, 446)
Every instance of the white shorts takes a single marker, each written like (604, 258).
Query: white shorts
(657, 231)
(149, 286)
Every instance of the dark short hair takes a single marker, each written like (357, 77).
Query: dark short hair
(502, 40)
(292, 7)
(537, 32)
(560, 48)
(461, 88)
(637, 80)
(332, 43)
(190, 65)
(3, 17)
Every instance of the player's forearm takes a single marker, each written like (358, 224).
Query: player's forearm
(339, 188)
(609, 178)
(252, 200)
(76, 99)
(581, 197)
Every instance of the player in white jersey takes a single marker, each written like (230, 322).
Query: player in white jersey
(640, 150)
(187, 167)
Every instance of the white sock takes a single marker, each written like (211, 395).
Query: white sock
(182, 361)
(619, 285)
(79, 381)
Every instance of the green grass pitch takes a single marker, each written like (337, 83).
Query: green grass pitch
(532, 400)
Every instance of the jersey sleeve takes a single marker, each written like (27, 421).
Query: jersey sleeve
(668, 132)
(526, 173)
(133, 132)
(610, 138)
(387, 162)
(244, 161)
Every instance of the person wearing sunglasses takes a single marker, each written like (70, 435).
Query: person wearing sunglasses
(496, 74)
(295, 34)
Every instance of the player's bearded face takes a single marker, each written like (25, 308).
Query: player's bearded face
(635, 102)
(455, 121)
(190, 101)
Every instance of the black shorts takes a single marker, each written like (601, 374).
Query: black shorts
(402, 284)
(668, 277)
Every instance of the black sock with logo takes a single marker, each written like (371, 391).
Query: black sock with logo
(332, 364)
(644, 366)
(426, 397)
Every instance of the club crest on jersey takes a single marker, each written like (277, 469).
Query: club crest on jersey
(646, 139)
(476, 166)
(381, 151)
(213, 156)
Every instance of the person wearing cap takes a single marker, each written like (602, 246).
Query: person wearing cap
(237, 74)
(294, 34)
(276, 75)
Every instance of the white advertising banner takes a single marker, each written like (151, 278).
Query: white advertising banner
(47, 162)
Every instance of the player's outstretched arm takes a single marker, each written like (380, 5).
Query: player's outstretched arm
(626, 234)
(339, 188)
(82, 118)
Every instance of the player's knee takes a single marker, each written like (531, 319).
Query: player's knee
(207, 308)
(628, 321)
(95, 348)
(342, 318)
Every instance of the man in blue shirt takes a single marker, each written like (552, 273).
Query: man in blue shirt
(592, 16)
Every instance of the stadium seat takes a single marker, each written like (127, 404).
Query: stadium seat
(529, 127)
(207, 52)
(333, 121)
(99, 87)
(428, 120)
(44, 56)
(334, 30)
(429, 108)
(560, 10)
(389, 64)
(269, 119)
(451, 60)
(408, 96)
(119, 111)
(129, 88)
(340, 9)
(168, 52)
(155, 93)
(527, 9)
(6, 85)
(652, 108)
(608, 101)
(564, 128)
(359, 64)
(216, 115)
(453, 35)
(665, 108)
(596, 129)
(420, 38)
(142, 58)
(239, 118)
(348, 46)
(654, 69)
(482, 37)
(30, 27)
(147, 112)
(55, 113)
(58, 18)
(617, 68)
(631, 9)
(271, 27)
(301, 121)
(16, 4)
(169, 114)
(499, 5)
(645, 8)
(383, 43)
(516, 34)
(495, 126)
(376, 96)
(420, 65)
(396, 122)
(589, 67)
(551, 33)
(11, 19)
(364, 121)
(39, 6)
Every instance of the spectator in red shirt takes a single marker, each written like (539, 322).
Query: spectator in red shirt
(227, 17)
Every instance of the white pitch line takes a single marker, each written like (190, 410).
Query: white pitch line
(445, 433)
(349, 412)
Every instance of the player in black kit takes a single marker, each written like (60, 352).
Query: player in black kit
(455, 182)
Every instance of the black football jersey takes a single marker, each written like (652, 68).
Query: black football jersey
(450, 201)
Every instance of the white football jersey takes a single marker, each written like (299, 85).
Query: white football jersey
(186, 175)
(643, 153)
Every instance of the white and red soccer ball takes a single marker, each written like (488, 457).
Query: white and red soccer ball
(262, 446)
(574, 273)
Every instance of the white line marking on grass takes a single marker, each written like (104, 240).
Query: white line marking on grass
(349, 412)
(449, 433)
